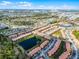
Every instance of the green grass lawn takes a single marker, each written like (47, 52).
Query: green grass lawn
(30, 36)
(26, 38)
(60, 50)
(57, 34)
(76, 33)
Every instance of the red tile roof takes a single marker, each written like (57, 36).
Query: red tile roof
(55, 48)
(64, 55)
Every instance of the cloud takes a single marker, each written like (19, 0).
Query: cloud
(64, 6)
(67, 7)
(5, 3)
(14, 5)
(29, 5)
(24, 4)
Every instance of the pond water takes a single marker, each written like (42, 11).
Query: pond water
(29, 43)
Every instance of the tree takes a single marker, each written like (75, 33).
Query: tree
(9, 48)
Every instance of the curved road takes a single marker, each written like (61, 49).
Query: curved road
(67, 33)
(43, 52)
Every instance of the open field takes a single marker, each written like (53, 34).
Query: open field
(57, 34)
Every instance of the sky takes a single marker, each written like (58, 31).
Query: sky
(39, 4)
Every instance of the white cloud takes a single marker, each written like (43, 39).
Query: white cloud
(5, 3)
(24, 4)
(29, 5)
(9, 5)
(67, 7)
(64, 6)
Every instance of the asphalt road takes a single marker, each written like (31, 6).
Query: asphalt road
(75, 51)
(44, 51)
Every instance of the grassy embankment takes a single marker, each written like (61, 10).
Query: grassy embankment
(30, 36)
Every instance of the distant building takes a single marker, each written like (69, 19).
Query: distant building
(3, 26)
(16, 33)
(65, 25)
